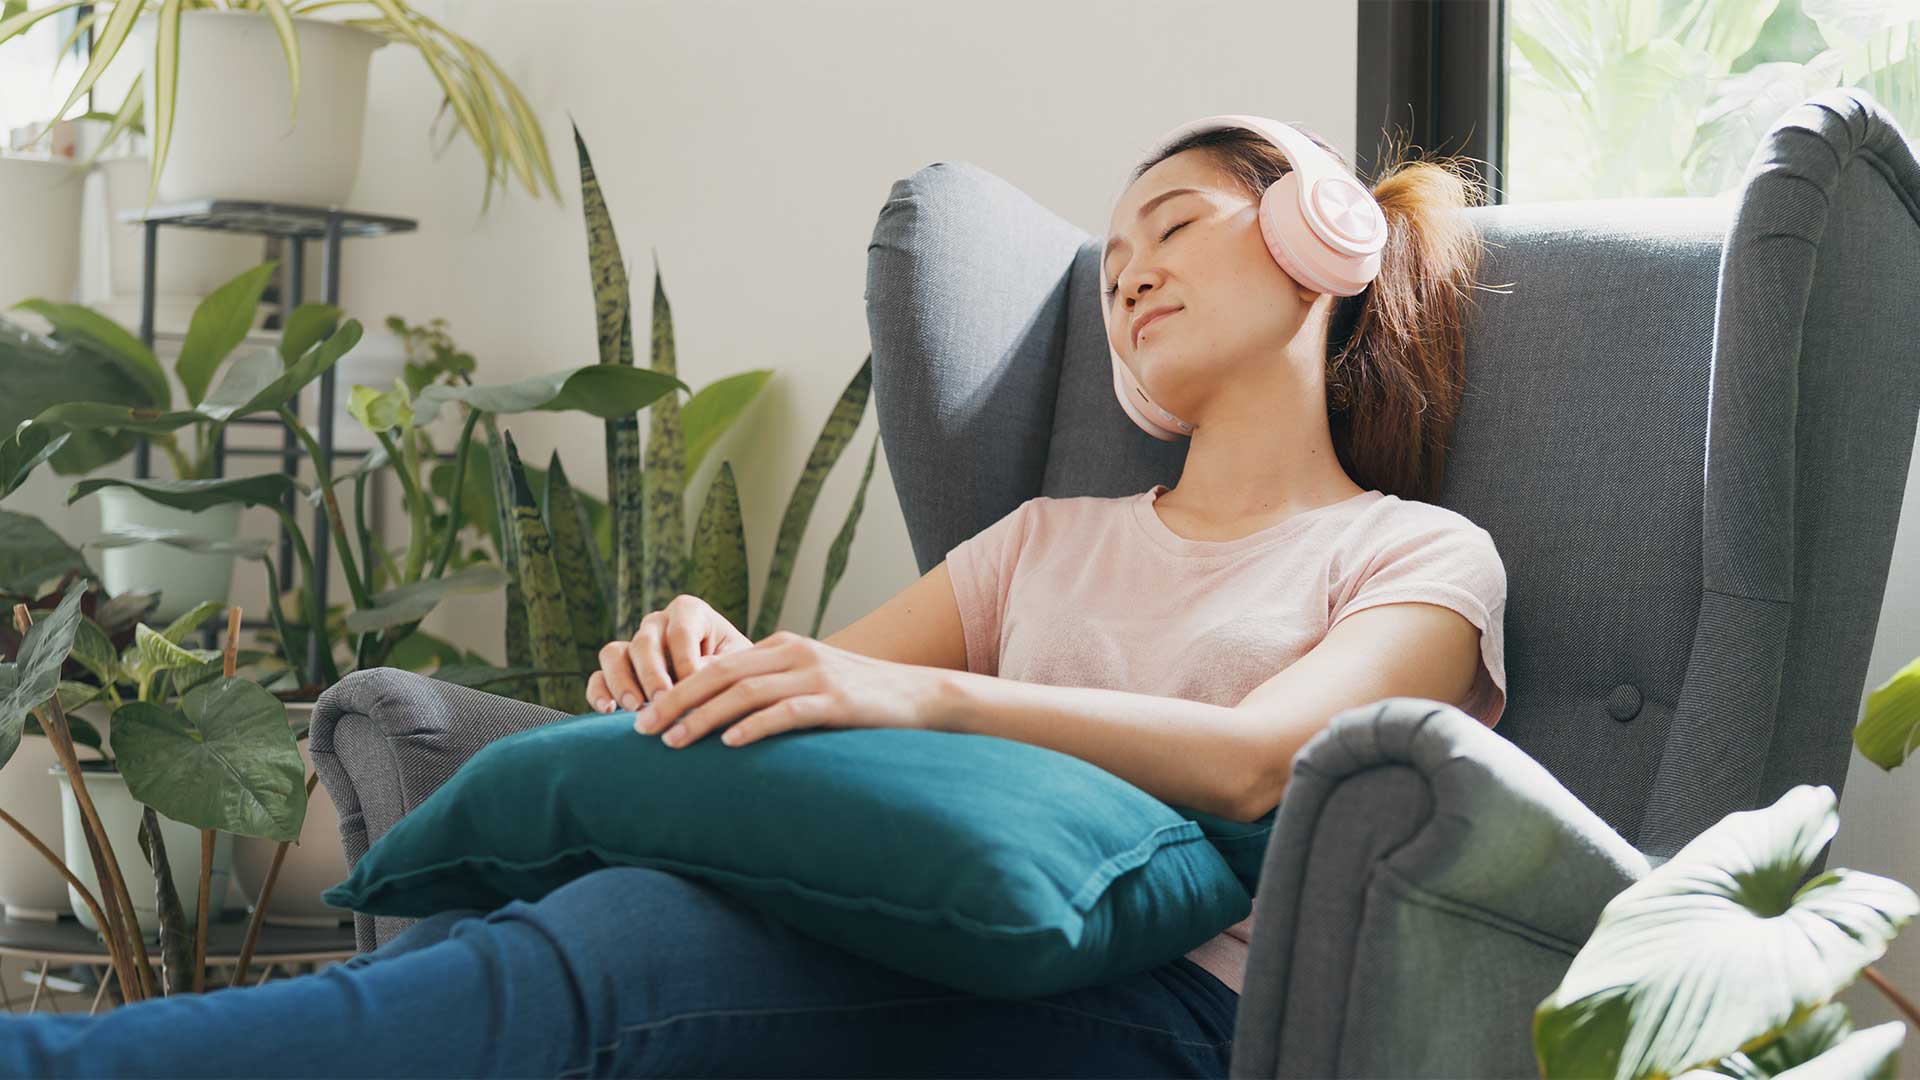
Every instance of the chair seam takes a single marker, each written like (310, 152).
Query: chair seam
(1413, 892)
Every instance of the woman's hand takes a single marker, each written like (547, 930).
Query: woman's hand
(687, 634)
(785, 683)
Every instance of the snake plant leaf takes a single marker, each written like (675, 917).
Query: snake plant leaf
(664, 481)
(34, 676)
(627, 494)
(412, 602)
(31, 555)
(224, 758)
(586, 594)
(176, 937)
(519, 647)
(26, 449)
(266, 489)
(843, 542)
(549, 629)
(597, 389)
(309, 325)
(709, 414)
(604, 265)
(1886, 735)
(218, 326)
(1716, 951)
(834, 437)
(108, 339)
(719, 574)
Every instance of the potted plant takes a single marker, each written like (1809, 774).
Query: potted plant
(223, 122)
(211, 750)
(258, 380)
(1729, 935)
(40, 227)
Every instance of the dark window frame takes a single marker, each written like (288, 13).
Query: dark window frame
(1433, 73)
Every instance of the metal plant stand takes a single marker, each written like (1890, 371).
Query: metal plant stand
(295, 225)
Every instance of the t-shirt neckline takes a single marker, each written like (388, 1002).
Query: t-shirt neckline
(1173, 543)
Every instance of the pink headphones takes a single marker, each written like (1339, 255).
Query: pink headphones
(1320, 224)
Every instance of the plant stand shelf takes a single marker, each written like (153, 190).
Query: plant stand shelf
(66, 942)
(295, 225)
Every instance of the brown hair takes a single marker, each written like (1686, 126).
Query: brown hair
(1396, 350)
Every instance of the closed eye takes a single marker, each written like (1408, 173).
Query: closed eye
(1115, 287)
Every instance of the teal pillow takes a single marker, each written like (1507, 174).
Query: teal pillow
(1242, 843)
(989, 865)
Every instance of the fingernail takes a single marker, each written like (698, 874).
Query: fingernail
(644, 719)
(604, 705)
(628, 701)
(677, 736)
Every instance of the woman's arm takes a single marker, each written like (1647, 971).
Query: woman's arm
(920, 625)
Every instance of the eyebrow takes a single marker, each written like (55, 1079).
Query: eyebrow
(1147, 208)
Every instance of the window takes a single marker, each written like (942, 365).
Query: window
(1631, 98)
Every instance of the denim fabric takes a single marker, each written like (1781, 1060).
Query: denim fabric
(631, 971)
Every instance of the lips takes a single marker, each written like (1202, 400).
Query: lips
(1150, 320)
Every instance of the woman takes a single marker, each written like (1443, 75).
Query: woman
(1293, 572)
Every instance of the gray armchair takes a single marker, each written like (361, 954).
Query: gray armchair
(1687, 428)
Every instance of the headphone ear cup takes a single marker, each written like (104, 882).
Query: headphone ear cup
(1283, 230)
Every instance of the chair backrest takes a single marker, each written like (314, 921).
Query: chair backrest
(1687, 427)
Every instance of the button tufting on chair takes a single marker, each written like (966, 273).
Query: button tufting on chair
(1624, 702)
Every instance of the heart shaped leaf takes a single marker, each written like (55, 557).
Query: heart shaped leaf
(223, 758)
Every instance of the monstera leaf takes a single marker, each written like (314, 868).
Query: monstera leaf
(1720, 949)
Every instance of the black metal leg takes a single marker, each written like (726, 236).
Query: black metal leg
(289, 443)
(150, 247)
(324, 418)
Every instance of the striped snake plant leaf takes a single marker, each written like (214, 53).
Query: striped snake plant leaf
(519, 649)
(837, 552)
(666, 470)
(549, 629)
(709, 414)
(1720, 949)
(834, 437)
(1887, 733)
(719, 571)
(613, 317)
(586, 594)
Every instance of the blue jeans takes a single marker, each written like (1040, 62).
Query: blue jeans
(630, 971)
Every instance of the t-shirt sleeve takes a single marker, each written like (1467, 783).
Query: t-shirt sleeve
(981, 568)
(1456, 566)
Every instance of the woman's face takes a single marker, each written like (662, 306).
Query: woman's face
(1200, 253)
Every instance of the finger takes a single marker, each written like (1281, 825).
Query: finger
(714, 677)
(644, 656)
(597, 693)
(744, 696)
(791, 714)
(683, 643)
(618, 674)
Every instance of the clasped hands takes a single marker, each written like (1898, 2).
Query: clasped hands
(720, 680)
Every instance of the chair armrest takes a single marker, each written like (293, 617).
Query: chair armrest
(1427, 885)
(383, 740)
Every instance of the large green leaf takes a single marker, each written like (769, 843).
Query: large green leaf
(35, 674)
(1716, 950)
(719, 573)
(834, 437)
(39, 373)
(245, 390)
(412, 602)
(1887, 733)
(219, 324)
(549, 628)
(843, 542)
(26, 449)
(584, 589)
(709, 414)
(223, 759)
(83, 325)
(597, 389)
(31, 555)
(309, 325)
(266, 489)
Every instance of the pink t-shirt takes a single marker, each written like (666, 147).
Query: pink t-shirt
(1098, 592)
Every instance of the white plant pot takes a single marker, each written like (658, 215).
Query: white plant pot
(313, 864)
(120, 812)
(39, 229)
(30, 888)
(183, 578)
(188, 263)
(232, 135)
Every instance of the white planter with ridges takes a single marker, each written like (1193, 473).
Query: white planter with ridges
(183, 578)
(235, 135)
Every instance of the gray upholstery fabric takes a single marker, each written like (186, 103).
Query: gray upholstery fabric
(1687, 427)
